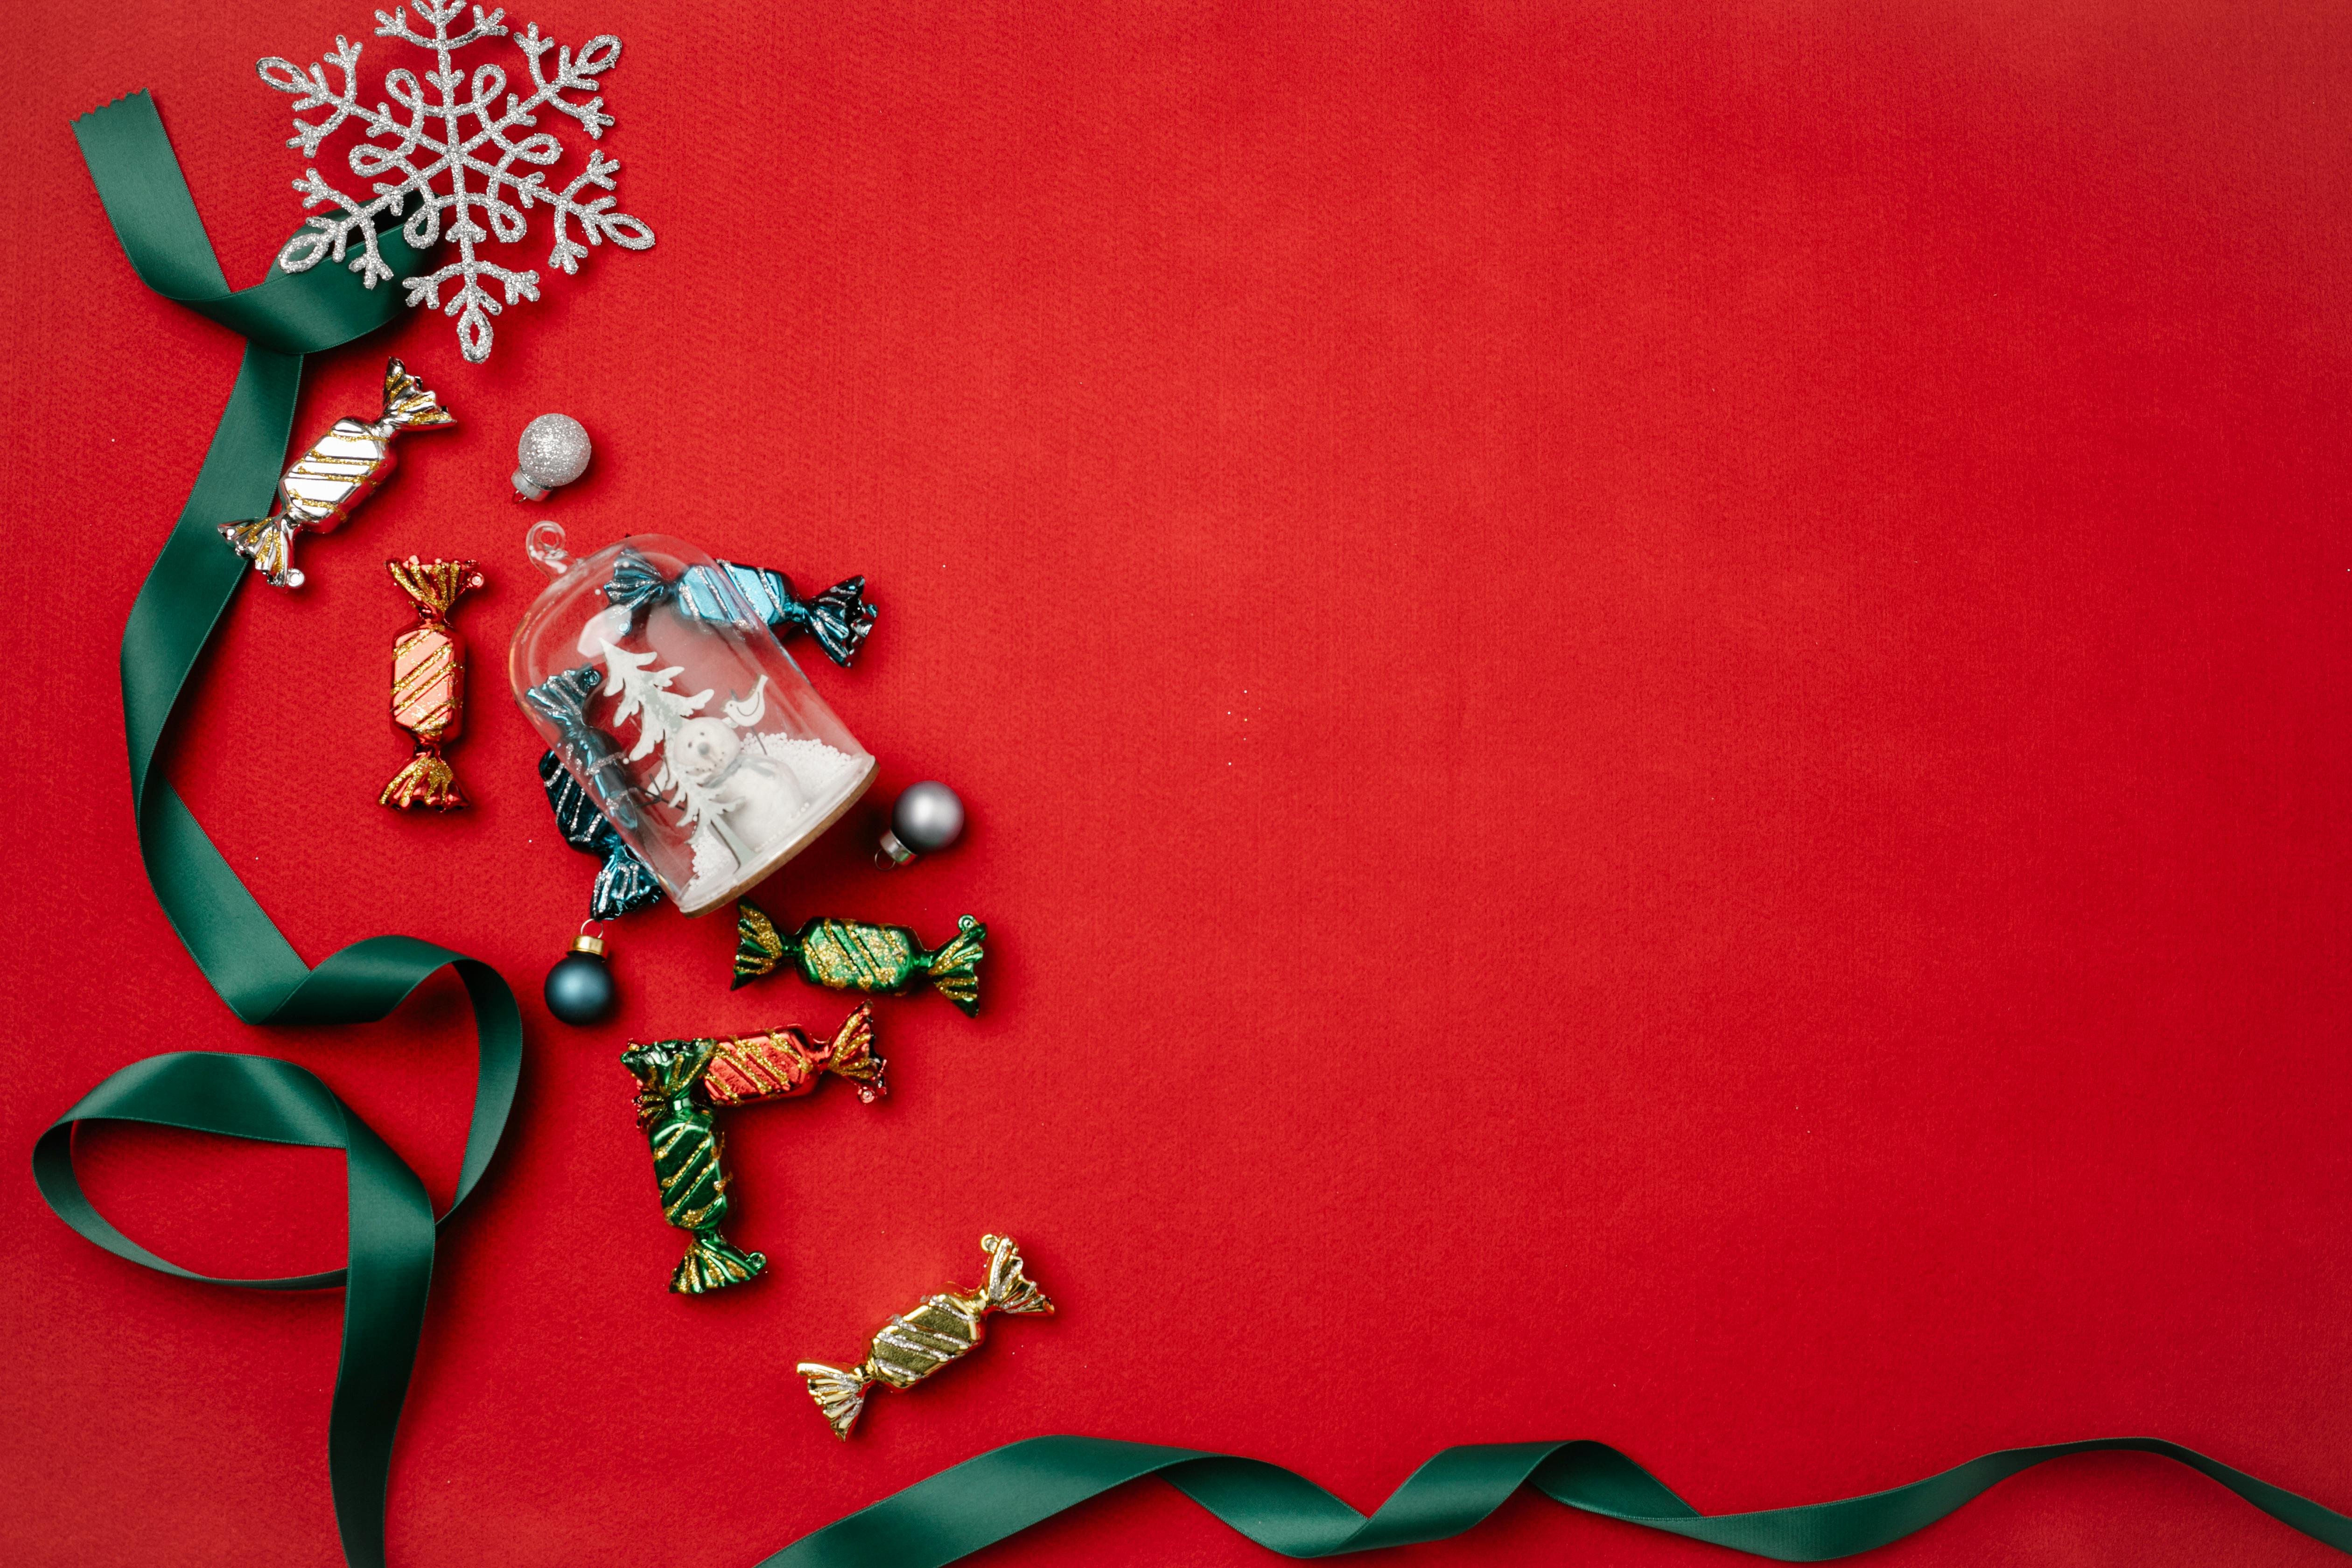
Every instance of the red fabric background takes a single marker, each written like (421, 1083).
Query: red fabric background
(1653, 699)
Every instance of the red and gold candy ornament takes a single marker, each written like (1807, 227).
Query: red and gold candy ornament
(428, 680)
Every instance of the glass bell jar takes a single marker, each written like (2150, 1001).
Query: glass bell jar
(668, 697)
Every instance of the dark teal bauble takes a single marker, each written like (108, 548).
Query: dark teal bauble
(580, 989)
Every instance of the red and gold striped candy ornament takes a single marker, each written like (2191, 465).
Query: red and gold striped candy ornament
(428, 681)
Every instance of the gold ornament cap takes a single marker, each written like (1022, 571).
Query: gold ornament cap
(584, 942)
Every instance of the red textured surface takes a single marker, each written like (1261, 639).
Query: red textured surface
(1653, 703)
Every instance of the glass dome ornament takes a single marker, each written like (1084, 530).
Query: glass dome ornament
(665, 695)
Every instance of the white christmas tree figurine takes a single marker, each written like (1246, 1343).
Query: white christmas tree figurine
(643, 693)
(744, 800)
(425, 139)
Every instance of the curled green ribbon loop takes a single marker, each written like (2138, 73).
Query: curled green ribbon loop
(1005, 1491)
(250, 964)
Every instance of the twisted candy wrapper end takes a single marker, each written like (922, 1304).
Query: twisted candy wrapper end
(712, 1263)
(839, 619)
(955, 968)
(623, 883)
(408, 404)
(758, 947)
(1008, 1289)
(840, 1394)
(269, 543)
(851, 1057)
(433, 586)
(914, 1345)
(636, 585)
(428, 781)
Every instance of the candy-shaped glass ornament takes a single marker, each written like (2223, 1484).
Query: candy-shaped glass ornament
(694, 734)
(857, 955)
(916, 1343)
(624, 883)
(341, 469)
(428, 681)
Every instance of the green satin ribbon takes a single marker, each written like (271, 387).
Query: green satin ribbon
(935, 1521)
(389, 1252)
(1005, 1491)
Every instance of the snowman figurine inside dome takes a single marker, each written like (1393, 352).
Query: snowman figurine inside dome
(670, 701)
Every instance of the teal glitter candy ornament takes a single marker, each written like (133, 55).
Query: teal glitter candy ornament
(624, 882)
(594, 754)
(838, 618)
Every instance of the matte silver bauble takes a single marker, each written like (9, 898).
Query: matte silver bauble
(927, 819)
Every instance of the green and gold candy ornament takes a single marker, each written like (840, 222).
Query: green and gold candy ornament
(853, 955)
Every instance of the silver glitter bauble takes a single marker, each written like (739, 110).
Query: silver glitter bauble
(554, 451)
(926, 820)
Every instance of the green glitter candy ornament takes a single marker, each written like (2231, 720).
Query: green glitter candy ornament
(850, 955)
(687, 1146)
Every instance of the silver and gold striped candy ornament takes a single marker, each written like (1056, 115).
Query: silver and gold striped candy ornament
(342, 470)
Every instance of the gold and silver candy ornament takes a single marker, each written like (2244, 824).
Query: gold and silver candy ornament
(917, 1343)
(554, 451)
(342, 470)
(680, 715)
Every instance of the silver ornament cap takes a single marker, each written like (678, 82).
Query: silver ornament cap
(554, 451)
(927, 819)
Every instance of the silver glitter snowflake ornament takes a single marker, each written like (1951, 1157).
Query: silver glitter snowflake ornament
(424, 140)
